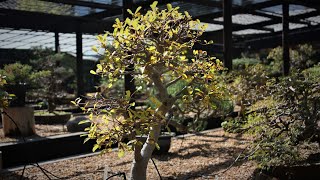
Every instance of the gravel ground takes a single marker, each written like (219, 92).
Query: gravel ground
(199, 156)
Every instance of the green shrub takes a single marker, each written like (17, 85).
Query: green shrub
(284, 122)
(302, 57)
(242, 63)
(18, 73)
(4, 96)
(312, 74)
(233, 125)
(248, 85)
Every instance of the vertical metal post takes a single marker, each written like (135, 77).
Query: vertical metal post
(227, 34)
(285, 40)
(128, 78)
(56, 42)
(0, 160)
(80, 80)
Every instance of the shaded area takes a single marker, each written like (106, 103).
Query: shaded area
(15, 154)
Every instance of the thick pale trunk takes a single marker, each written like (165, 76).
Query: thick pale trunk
(143, 155)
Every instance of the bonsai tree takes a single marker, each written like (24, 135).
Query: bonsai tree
(282, 117)
(18, 73)
(54, 84)
(19, 77)
(158, 45)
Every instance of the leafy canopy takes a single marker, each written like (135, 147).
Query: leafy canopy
(159, 44)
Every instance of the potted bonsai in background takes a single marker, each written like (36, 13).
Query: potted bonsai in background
(19, 78)
(159, 44)
(53, 87)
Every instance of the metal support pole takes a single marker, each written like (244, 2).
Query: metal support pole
(128, 78)
(227, 34)
(80, 81)
(285, 39)
(56, 42)
(1, 161)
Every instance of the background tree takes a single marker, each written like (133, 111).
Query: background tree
(45, 7)
(60, 76)
(159, 44)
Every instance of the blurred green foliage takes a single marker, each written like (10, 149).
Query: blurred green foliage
(18, 73)
(281, 113)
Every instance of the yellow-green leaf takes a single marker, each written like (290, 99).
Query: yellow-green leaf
(99, 66)
(128, 94)
(84, 121)
(129, 11)
(157, 146)
(187, 14)
(154, 5)
(169, 7)
(94, 48)
(86, 140)
(138, 9)
(120, 153)
(184, 76)
(95, 147)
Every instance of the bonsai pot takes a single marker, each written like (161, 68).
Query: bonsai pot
(164, 142)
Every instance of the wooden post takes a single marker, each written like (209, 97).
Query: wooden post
(80, 81)
(128, 78)
(23, 117)
(227, 33)
(285, 39)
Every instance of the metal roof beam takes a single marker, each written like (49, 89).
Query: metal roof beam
(217, 4)
(307, 3)
(235, 24)
(293, 20)
(240, 9)
(103, 14)
(274, 21)
(256, 6)
(85, 4)
(303, 35)
(49, 22)
(146, 4)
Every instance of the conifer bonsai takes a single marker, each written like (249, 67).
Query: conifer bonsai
(159, 44)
